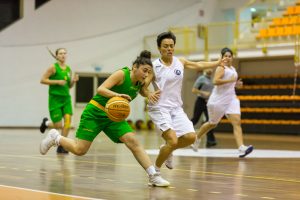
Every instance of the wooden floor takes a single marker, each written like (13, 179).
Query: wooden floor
(109, 171)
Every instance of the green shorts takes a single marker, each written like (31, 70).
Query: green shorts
(59, 106)
(94, 120)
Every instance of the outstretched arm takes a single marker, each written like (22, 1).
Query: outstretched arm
(199, 65)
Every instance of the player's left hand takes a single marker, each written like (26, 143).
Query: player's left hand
(75, 78)
(154, 96)
(239, 83)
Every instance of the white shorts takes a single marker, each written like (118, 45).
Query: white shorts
(174, 118)
(217, 111)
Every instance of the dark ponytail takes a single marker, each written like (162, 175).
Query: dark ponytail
(143, 59)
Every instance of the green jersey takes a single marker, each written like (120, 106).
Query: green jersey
(125, 88)
(61, 74)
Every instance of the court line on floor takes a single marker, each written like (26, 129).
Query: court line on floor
(231, 153)
(22, 192)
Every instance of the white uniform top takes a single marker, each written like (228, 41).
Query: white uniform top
(223, 94)
(169, 80)
(168, 113)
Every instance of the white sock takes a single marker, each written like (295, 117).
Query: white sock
(151, 170)
(47, 123)
(242, 147)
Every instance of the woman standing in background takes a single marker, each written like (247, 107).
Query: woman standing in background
(59, 78)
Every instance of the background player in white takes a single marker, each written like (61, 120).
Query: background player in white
(223, 101)
(168, 114)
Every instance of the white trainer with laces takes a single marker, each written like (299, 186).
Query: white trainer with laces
(196, 144)
(48, 141)
(157, 180)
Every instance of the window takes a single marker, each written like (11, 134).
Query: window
(87, 85)
(39, 3)
(9, 12)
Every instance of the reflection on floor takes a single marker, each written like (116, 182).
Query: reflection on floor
(110, 171)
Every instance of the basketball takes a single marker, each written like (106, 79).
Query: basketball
(117, 109)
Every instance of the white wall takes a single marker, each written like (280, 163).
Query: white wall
(106, 33)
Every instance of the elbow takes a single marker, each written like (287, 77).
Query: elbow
(216, 82)
(100, 90)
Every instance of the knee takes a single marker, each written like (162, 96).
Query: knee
(236, 123)
(132, 143)
(172, 143)
(190, 138)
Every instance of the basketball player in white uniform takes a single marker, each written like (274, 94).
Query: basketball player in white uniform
(167, 114)
(223, 101)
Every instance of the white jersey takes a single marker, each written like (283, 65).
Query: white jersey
(223, 94)
(169, 81)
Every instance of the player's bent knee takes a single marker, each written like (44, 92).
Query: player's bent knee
(131, 142)
(172, 143)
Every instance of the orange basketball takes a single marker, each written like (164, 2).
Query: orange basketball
(117, 109)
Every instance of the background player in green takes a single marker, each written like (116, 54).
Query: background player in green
(59, 78)
(124, 83)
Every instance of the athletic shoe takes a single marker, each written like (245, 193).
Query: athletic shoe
(49, 141)
(196, 144)
(169, 161)
(157, 180)
(244, 152)
(43, 125)
(60, 149)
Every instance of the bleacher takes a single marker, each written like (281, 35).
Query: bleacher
(268, 106)
(287, 25)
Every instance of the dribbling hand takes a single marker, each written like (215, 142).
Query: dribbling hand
(124, 96)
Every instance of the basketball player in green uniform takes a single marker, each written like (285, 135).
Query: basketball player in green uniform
(124, 83)
(59, 78)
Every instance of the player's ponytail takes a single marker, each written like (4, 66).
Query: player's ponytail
(143, 59)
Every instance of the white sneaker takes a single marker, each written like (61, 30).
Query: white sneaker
(245, 151)
(169, 161)
(196, 144)
(48, 141)
(157, 180)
